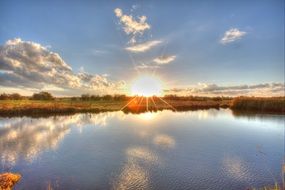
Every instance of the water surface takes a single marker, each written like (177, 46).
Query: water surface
(207, 149)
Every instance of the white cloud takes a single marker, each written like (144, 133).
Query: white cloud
(25, 64)
(146, 66)
(118, 12)
(164, 59)
(132, 26)
(232, 35)
(144, 46)
(202, 89)
(51, 87)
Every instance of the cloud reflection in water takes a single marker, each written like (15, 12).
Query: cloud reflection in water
(26, 137)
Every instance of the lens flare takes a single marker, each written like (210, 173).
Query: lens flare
(146, 86)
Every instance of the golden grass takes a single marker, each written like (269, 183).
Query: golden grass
(56, 106)
(8, 180)
(270, 104)
(71, 105)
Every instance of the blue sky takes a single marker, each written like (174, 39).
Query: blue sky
(89, 37)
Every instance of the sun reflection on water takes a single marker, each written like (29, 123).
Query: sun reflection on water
(147, 116)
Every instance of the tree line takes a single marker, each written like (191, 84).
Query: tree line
(196, 98)
(35, 96)
(88, 97)
(49, 96)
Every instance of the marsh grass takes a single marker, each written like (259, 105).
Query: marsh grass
(8, 180)
(94, 104)
(105, 103)
(269, 104)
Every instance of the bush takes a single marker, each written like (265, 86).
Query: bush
(88, 97)
(85, 97)
(171, 97)
(74, 98)
(42, 96)
(107, 97)
(120, 97)
(14, 96)
(95, 97)
(4, 96)
(272, 104)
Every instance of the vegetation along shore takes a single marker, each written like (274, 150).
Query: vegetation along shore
(45, 103)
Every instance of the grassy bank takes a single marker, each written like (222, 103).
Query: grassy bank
(137, 105)
(68, 106)
(253, 104)
(57, 106)
(8, 180)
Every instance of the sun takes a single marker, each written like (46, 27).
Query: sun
(147, 86)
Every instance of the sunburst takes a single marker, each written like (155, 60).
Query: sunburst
(144, 89)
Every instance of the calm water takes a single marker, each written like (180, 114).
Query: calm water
(165, 150)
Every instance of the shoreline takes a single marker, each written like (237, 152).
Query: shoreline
(58, 108)
(11, 108)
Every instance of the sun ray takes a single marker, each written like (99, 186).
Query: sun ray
(167, 104)
(129, 54)
(128, 103)
(146, 103)
(153, 102)
(139, 104)
(161, 55)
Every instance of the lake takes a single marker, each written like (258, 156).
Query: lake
(205, 149)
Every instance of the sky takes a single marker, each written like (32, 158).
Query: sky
(99, 47)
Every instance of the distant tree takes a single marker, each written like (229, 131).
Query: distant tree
(4, 96)
(171, 97)
(42, 96)
(85, 97)
(120, 97)
(107, 97)
(218, 98)
(95, 97)
(15, 96)
(74, 98)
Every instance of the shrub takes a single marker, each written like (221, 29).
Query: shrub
(14, 96)
(107, 97)
(85, 97)
(272, 104)
(42, 96)
(4, 96)
(120, 97)
(95, 97)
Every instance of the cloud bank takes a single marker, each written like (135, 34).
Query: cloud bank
(164, 59)
(26, 64)
(266, 89)
(232, 35)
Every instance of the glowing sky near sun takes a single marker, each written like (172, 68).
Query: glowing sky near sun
(198, 48)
